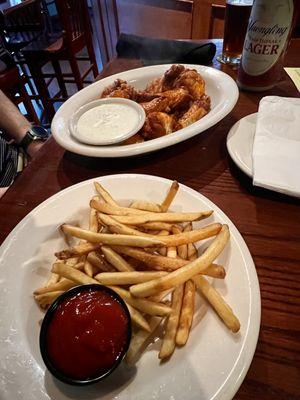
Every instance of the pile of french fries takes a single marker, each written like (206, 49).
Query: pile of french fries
(147, 255)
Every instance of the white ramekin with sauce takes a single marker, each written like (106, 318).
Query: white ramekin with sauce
(107, 121)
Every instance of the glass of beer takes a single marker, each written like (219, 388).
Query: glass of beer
(236, 21)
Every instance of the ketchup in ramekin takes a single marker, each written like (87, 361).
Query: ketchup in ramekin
(85, 334)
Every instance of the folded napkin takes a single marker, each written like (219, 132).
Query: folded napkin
(294, 74)
(164, 51)
(276, 147)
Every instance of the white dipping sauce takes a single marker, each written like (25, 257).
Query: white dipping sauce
(107, 121)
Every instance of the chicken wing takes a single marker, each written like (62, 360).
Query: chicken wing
(154, 86)
(168, 101)
(196, 111)
(170, 76)
(157, 124)
(177, 98)
(121, 89)
(159, 85)
(155, 105)
(192, 81)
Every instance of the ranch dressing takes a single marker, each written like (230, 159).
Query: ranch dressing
(107, 123)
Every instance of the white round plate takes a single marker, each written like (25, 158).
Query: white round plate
(240, 143)
(221, 88)
(213, 363)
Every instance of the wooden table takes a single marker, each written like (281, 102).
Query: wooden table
(269, 223)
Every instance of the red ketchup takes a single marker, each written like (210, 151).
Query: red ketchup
(87, 334)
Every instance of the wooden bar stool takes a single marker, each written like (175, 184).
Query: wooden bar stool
(75, 36)
(19, 26)
(13, 85)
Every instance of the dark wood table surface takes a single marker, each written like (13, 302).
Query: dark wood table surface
(269, 222)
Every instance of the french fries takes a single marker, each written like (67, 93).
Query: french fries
(52, 279)
(72, 274)
(145, 253)
(99, 263)
(141, 338)
(157, 226)
(127, 278)
(168, 342)
(105, 238)
(137, 318)
(218, 303)
(168, 241)
(93, 226)
(191, 237)
(161, 217)
(79, 250)
(181, 250)
(162, 263)
(146, 206)
(105, 208)
(116, 260)
(192, 252)
(45, 299)
(186, 314)
(143, 305)
(88, 268)
(186, 272)
(105, 195)
(170, 196)
(63, 284)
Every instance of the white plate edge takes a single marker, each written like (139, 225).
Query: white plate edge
(246, 169)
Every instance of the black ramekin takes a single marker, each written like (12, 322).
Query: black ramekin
(45, 324)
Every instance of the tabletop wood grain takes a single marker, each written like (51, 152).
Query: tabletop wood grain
(269, 223)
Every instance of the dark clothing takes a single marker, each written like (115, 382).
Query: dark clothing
(8, 151)
(8, 162)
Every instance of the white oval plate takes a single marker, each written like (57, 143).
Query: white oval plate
(213, 363)
(240, 143)
(221, 88)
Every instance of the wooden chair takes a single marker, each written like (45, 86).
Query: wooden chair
(21, 24)
(217, 13)
(13, 85)
(75, 35)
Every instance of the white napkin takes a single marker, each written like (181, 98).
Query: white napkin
(276, 147)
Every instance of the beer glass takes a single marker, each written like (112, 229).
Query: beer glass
(236, 21)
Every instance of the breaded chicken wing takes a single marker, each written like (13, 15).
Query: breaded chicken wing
(143, 96)
(196, 111)
(168, 101)
(159, 85)
(192, 81)
(157, 124)
(177, 98)
(167, 81)
(121, 89)
(154, 87)
(157, 104)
